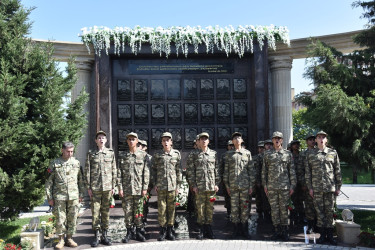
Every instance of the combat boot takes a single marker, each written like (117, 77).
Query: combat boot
(139, 236)
(200, 233)
(235, 230)
(323, 235)
(61, 242)
(163, 234)
(105, 239)
(310, 227)
(96, 242)
(285, 233)
(170, 235)
(245, 230)
(128, 235)
(276, 232)
(330, 238)
(210, 233)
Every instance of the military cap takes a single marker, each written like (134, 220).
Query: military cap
(261, 144)
(100, 132)
(321, 133)
(309, 136)
(295, 141)
(230, 142)
(142, 142)
(166, 134)
(203, 134)
(132, 134)
(277, 134)
(236, 134)
(269, 141)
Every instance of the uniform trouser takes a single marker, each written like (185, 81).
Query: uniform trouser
(258, 198)
(166, 207)
(279, 206)
(226, 197)
(240, 204)
(265, 202)
(309, 206)
(66, 213)
(298, 197)
(323, 203)
(205, 207)
(100, 202)
(130, 207)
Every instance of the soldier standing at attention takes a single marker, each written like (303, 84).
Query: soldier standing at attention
(133, 178)
(65, 188)
(279, 180)
(230, 146)
(204, 178)
(166, 171)
(100, 179)
(298, 195)
(258, 162)
(239, 179)
(324, 180)
(147, 203)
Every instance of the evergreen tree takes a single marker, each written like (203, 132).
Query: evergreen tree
(33, 118)
(343, 102)
(301, 128)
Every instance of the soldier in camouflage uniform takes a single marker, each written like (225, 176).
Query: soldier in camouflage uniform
(309, 204)
(133, 178)
(143, 147)
(258, 162)
(204, 178)
(298, 214)
(100, 177)
(268, 145)
(166, 171)
(239, 179)
(65, 190)
(230, 146)
(324, 180)
(279, 180)
(191, 206)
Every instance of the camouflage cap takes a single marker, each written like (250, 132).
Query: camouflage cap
(230, 142)
(277, 134)
(204, 134)
(166, 134)
(260, 143)
(236, 134)
(269, 141)
(143, 142)
(321, 132)
(309, 136)
(132, 134)
(100, 132)
(295, 141)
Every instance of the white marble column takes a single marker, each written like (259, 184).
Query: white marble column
(280, 67)
(84, 69)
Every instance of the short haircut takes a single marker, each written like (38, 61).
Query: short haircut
(67, 144)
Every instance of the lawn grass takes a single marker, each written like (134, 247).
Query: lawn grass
(366, 219)
(10, 230)
(363, 176)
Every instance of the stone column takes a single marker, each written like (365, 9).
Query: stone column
(84, 70)
(280, 67)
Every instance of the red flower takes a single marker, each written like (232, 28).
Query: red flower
(247, 201)
(334, 215)
(213, 199)
(244, 206)
(136, 216)
(140, 215)
(290, 208)
(50, 219)
(111, 206)
(177, 204)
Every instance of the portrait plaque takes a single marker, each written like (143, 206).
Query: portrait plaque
(140, 114)
(239, 88)
(174, 113)
(211, 132)
(157, 89)
(157, 114)
(123, 90)
(223, 113)
(124, 114)
(191, 113)
(222, 89)
(156, 137)
(177, 137)
(223, 134)
(140, 90)
(122, 144)
(207, 113)
(190, 89)
(243, 131)
(240, 112)
(190, 135)
(174, 89)
(142, 133)
(207, 89)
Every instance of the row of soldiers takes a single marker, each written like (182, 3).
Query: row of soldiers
(236, 170)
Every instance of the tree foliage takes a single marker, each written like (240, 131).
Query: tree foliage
(301, 128)
(33, 119)
(343, 101)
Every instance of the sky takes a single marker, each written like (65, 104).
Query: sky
(63, 20)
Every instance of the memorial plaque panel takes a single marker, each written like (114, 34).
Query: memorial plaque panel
(157, 89)
(190, 89)
(240, 112)
(191, 113)
(156, 137)
(190, 135)
(140, 90)
(243, 131)
(207, 89)
(223, 113)
(157, 114)
(207, 113)
(239, 88)
(124, 114)
(223, 134)
(122, 144)
(123, 90)
(174, 113)
(222, 89)
(177, 137)
(211, 132)
(174, 89)
(142, 133)
(141, 114)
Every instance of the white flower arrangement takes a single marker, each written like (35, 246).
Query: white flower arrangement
(226, 39)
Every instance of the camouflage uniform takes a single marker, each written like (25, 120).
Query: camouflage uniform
(166, 171)
(203, 174)
(299, 194)
(278, 176)
(65, 186)
(309, 204)
(101, 177)
(133, 177)
(191, 206)
(239, 177)
(222, 185)
(323, 176)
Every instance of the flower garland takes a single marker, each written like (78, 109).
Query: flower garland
(226, 39)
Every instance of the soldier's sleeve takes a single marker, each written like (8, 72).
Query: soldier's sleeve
(292, 173)
(114, 171)
(119, 173)
(189, 173)
(221, 168)
(265, 171)
(178, 170)
(337, 172)
(81, 183)
(192, 171)
(87, 173)
(226, 171)
(50, 181)
(154, 173)
(308, 171)
(251, 171)
(217, 166)
(146, 174)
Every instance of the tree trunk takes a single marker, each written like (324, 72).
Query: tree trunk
(355, 172)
